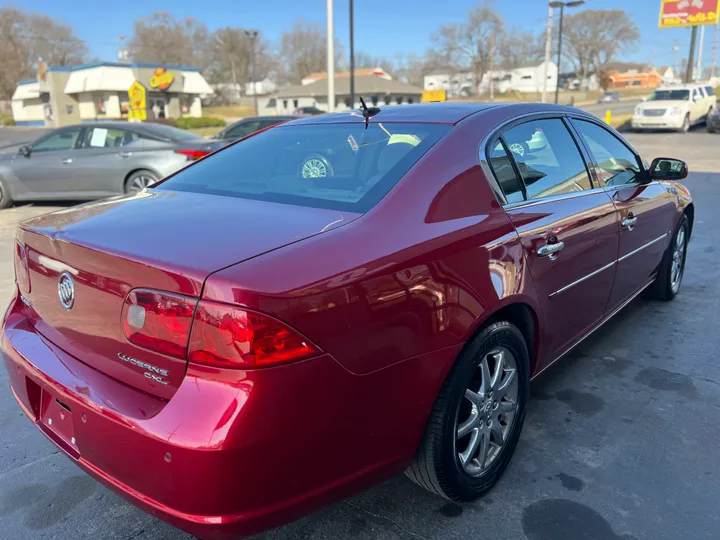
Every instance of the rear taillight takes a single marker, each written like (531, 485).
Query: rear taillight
(192, 155)
(22, 276)
(158, 321)
(228, 336)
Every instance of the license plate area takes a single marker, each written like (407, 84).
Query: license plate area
(56, 420)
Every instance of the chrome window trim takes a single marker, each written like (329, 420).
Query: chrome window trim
(554, 198)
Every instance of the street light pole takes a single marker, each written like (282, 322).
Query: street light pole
(562, 6)
(352, 56)
(252, 36)
(691, 56)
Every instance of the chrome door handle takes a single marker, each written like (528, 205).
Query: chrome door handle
(550, 250)
(66, 161)
(629, 222)
(125, 154)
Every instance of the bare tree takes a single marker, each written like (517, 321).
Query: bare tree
(517, 48)
(161, 38)
(595, 37)
(364, 60)
(26, 37)
(229, 57)
(470, 44)
(303, 51)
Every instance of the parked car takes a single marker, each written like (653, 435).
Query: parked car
(246, 126)
(713, 120)
(609, 97)
(675, 107)
(242, 343)
(308, 111)
(90, 161)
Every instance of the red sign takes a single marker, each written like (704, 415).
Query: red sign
(677, 13)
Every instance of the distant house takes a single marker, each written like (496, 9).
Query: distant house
(234, 92)
(362, 72)
(375, 89)
(527, 78)
(647, 78)
(668, 75)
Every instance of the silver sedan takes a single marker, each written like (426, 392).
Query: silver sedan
(92, 161)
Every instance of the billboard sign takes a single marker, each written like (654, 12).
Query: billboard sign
(678, 13)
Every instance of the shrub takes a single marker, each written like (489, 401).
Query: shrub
(165, 121)
(202, 122)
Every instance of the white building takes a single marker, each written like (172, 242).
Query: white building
(460, 84)
(528, 78)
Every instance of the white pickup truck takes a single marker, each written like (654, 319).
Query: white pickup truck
(675, 107)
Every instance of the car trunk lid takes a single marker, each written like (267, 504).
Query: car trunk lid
(156, 240)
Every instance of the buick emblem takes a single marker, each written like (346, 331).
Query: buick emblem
(66, 291)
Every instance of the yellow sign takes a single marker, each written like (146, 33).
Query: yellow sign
(677, 13)
(162, 79)
(433, 95)
(138, 102)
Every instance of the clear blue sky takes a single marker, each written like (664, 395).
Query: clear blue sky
(382, 27)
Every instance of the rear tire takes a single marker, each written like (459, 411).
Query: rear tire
(5, 198)
(672, 268)
(139, 180)
(710, 129)
(465, 412)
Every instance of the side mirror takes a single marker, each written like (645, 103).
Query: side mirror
(644, 98)
(668, 169)
(25, 150)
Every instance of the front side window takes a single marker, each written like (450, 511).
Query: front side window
(60, 140)
(547, 157)
(332, 166)
(616, 163)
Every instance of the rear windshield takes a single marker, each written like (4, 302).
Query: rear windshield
(332, 166)
(670, 95)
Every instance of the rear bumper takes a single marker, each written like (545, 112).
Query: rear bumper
(233, 452)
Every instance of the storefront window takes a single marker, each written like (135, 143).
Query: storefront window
(124, 103)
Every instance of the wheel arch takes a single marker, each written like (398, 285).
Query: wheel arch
(522, 314)
(690, 213)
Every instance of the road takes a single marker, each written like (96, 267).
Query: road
(622, 438)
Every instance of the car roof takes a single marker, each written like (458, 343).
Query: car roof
(431, 113)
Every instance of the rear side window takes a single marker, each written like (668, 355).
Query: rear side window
(616, 163)
(333, 166)
(547, 157)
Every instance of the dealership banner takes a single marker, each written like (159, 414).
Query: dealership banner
(678, 13)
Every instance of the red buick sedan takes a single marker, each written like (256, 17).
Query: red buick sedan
(334, 301)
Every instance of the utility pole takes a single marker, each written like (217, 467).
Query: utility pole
(700, 51)
(330, 57)
(557, 84)
(352, 55)
(691, 56)
(714, 49)
(492, 65)
(652, 53)
(548, 52)
(676, 70)
(252, 36)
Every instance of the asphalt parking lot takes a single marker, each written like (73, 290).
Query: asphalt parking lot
(622, 439)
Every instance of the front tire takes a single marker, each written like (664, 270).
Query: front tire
(685, 125)
(672, 268)
(475, 424)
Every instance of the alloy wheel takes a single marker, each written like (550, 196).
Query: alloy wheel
(314, 168)
(138, 183)
(487, 412)
(678, 261)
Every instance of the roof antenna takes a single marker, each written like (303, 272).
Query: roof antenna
(368, 113)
